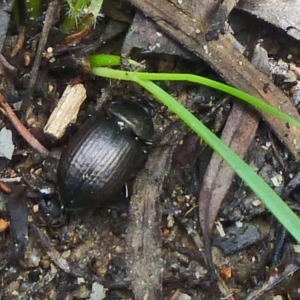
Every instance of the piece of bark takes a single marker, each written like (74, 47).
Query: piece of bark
(217, 23)
(237, 239)
(201, 12)
(222, 56)
(145, 35)
(5, 8)
(282, 14)
(238, 134)
(66, 111)
(18, 217)
(143, 240)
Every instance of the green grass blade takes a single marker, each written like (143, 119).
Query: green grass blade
(259, 104)
(107, 60)
(272, 201)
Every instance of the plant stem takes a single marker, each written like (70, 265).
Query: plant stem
(259, 104)
(272, 201)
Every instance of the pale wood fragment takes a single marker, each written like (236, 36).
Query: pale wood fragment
(66, 111)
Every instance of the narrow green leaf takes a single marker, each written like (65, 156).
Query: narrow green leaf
(272, 201)
(123, 75)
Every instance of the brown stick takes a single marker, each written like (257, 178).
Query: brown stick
(143, 241)
(6, 64)
(20, 42)
(51, 15)
(5, 188)
(34, 143)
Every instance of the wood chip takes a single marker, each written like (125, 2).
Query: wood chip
(3, 225)
(66, 111)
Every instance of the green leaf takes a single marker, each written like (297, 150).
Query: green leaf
(272, 201)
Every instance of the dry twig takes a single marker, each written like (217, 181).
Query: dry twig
(35, 144)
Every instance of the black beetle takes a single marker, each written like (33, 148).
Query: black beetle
(103, 155)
